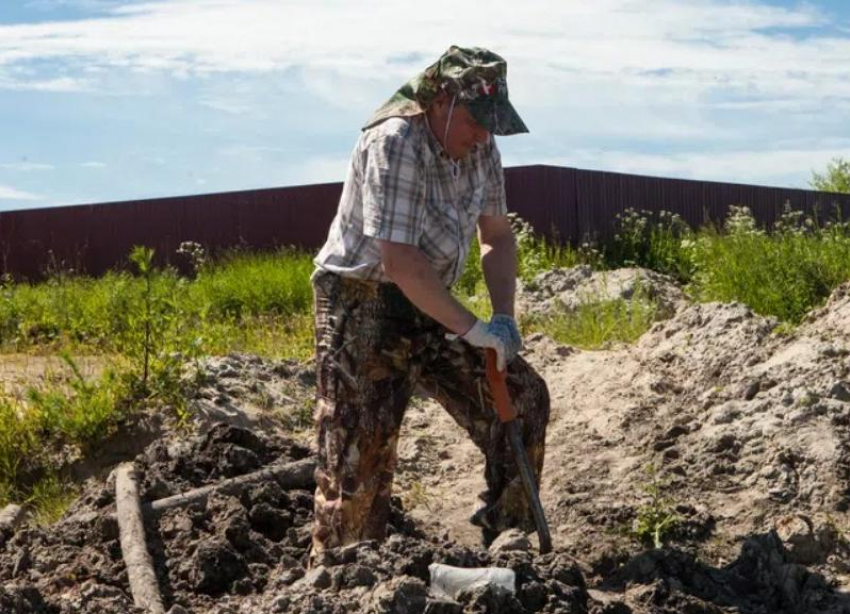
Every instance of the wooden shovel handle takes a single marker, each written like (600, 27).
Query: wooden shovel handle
(499, 388)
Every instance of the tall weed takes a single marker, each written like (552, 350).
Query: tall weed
(658, 241)
(82, 415)
(19, 445)
(784, 274)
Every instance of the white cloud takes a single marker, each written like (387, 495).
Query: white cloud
(59, 84)
(26, 166)
(603, 80)
(230, 106)
(93, 165)
(7, 193)
(694, 46)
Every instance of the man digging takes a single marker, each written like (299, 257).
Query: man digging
(424, 173)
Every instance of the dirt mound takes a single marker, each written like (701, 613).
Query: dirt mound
(77, 566)
(568, 289)
(833, 319)
(758, 413)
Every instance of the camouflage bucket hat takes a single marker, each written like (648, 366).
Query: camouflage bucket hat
(475, 75)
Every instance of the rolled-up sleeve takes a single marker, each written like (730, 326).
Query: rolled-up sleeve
(392, 193)
(495, 200)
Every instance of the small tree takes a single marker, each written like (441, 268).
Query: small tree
(142, 257)
(835, 179)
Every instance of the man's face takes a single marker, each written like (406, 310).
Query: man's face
(464, 132)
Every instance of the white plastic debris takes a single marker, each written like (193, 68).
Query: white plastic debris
(449, 582)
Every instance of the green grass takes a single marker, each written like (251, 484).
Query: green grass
(50, 498)
(271, 336)
(250, 303)
(242, 285)
(77, 413)
(596, 324)
(784, 274)
(84, 412)
(19, 446)
(97, 315)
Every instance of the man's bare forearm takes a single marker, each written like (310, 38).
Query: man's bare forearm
(410, 270)
(499, 264)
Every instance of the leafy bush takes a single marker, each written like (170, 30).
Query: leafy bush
(659, 241)
(784, 274)
(656, 517)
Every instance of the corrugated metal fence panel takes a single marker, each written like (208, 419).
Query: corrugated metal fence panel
(598, 200)
(685, 198)
(545, 196)
(603, 195)
(568, 203)
(95, 238)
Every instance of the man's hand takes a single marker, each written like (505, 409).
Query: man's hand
(489, 335)
(514, 344)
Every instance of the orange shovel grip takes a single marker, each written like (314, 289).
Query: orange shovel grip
(499, 388)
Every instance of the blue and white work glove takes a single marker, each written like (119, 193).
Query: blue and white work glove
(496, 335)
(515, 345)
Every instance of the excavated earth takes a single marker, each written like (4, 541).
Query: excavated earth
(748, 430)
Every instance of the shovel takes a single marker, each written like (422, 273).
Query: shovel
(507, 415)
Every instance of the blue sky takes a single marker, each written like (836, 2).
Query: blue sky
(106, 100)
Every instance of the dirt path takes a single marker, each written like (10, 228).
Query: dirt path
(19, 371)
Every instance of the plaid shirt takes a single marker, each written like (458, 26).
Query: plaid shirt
(400, 188)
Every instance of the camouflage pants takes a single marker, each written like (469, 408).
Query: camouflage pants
(373, 347)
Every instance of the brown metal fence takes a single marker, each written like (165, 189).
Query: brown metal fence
(572, 204)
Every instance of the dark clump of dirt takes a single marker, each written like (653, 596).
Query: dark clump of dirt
(249, 551)
(393, 577)
(762, 579)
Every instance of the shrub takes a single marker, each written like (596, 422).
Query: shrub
(656, 517)
(784, 274)
(660, 241)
